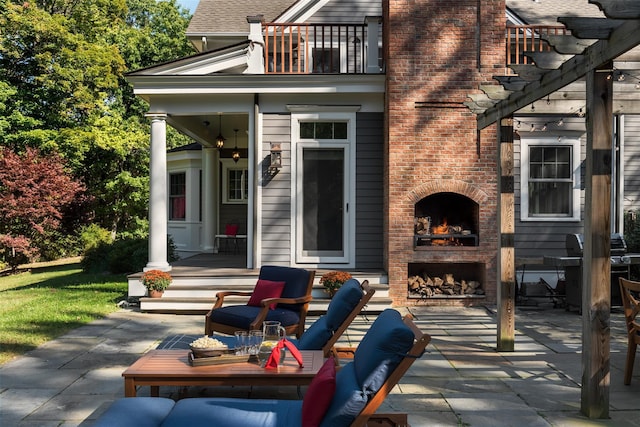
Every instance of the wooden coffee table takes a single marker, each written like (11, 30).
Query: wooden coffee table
(172, 368)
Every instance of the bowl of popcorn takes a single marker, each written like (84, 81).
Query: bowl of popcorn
(208, 347)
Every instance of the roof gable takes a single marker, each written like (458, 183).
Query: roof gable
(230, 16)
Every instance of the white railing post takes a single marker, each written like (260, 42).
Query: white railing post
(373, 35)
(255, 54)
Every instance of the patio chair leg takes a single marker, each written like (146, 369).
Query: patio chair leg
(631, 357)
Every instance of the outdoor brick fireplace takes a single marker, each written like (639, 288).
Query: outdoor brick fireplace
(442, 175)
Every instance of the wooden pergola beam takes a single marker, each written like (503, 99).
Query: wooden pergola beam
(623, 38)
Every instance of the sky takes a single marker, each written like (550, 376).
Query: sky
(189, 4)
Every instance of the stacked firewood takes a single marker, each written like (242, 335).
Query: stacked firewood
(426, 286)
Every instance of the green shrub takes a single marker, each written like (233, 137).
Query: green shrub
(122, 256)
(91, 236)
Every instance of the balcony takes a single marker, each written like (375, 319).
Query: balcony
(293, 48)
(523, 39)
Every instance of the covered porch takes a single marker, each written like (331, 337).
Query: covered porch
(197, 279)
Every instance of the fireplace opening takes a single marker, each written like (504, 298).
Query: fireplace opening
(446, 280)
(446, 219)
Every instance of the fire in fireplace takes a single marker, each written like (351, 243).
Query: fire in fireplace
(446, 219)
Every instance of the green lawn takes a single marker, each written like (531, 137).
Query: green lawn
(41, 304)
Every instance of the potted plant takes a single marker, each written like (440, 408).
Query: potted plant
(156, 281)
(333, 280)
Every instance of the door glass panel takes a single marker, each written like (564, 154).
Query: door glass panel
(323, 201)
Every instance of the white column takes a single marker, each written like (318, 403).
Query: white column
(158, 194)
(208, 185)
(373, 33)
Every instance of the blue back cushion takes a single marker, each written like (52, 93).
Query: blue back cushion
(378, 354)
(348, 400)
(381, 350)
(316, 336)
(296, 282)
(343, 303)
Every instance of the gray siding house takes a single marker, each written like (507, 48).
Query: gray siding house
(285, 102)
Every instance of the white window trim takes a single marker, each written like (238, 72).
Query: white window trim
(227, 165)
(525, 143)
(339, 114)
(170, 198)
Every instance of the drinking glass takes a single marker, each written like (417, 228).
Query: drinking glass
(242, 342)
(255, 340)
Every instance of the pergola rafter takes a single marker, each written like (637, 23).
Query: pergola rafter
(590, 53)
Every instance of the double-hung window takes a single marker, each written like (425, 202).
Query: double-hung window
(550, 179)
(177, 196)
(235, 181)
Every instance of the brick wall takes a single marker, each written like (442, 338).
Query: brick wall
(437, 52)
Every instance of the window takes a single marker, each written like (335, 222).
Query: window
(323, 130)
(177, 196)
(550, 179)
(235, 181)
(326, 60)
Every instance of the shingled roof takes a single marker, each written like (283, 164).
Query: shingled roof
(230, 16)
(546, 12)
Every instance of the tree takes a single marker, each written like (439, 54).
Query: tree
(63, 90)
(36, 193)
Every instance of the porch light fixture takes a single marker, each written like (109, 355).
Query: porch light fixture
(276, 157)
(235, 155)
(220, 139)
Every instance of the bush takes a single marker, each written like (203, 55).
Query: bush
(121, 256)
(91, 236)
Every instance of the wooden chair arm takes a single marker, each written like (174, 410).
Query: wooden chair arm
(300, 300)
(221, 295)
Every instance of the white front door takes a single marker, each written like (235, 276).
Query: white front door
(323, 208)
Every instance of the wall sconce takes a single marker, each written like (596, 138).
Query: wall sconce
(276, 157)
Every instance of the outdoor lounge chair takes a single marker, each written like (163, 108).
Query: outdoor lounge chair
(630, 292)
(288, 306)
(348, 398)
(345, 305)
(322, 334)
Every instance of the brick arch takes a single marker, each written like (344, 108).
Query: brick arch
(447, 186)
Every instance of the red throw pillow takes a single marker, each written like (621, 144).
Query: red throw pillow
(319, 395)
(231, 229)
(266, 289)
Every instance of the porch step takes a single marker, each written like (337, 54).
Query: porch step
(196, 295)
(179, 305)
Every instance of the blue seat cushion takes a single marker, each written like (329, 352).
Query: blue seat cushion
(241, 316)
(136, 412)
(296, 282)
(233, 412)
(382, 348)
(343, 303)
(348, 399)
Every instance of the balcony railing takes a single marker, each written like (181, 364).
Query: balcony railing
(292, 48)
(529, 38)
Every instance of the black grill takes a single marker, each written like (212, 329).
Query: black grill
(572, 264)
